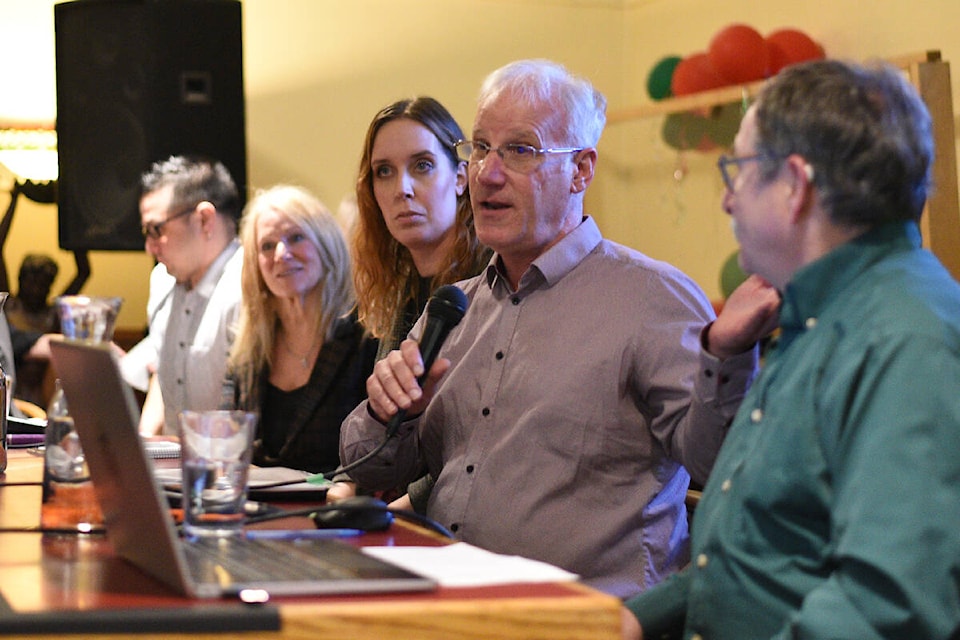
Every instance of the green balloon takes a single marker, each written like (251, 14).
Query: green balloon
(658, 82)
(684, 131)
(724, 124)
(731, 275)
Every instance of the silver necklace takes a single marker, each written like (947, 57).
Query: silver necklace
(304, 359)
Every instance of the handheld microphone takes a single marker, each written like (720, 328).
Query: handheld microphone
(445, 309)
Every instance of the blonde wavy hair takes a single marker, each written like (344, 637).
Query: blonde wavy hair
(385, 278)
(259, 321)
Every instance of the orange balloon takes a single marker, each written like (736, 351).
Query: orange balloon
(739, 54)
(789, 46)
(694, 74)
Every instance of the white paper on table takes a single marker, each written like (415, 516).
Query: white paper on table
(464, 565)
(259, 478)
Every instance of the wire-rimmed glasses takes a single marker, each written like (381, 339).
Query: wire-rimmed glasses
(522, 158)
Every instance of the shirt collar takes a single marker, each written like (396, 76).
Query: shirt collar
(209, 280)
(557, 261)
(816, 285)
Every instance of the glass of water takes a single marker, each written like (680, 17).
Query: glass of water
(215, 454)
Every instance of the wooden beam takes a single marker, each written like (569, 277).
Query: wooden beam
(940, 224)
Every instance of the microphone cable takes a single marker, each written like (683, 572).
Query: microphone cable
(309, 512)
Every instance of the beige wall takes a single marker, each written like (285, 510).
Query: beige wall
(317, 70)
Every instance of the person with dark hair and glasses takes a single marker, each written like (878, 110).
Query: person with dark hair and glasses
(585, 383)
(832, 509)
(189, 210)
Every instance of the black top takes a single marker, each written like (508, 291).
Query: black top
(406, 318)
(301, 428)
(278, 410)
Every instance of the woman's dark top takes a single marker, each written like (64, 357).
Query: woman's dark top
(301, 428)
(406, 318)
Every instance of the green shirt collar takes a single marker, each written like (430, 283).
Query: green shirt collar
(815, 285)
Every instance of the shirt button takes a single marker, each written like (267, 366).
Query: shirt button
(469, 468)
(454, 527)
(485, 411)
(810, 323)
(499, 355)
(756, 415)
(515, 300)
(726, 485)
(702, 561)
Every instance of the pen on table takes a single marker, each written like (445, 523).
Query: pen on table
(301, 534)
(25, 439)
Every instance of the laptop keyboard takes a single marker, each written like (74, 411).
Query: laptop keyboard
(242, 560)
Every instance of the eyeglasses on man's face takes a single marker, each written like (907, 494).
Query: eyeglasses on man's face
(154, 230)
(730, 167)
(521, 158)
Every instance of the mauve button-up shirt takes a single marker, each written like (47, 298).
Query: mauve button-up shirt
(574, 407)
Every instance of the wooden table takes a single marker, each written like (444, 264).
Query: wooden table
(76, 576)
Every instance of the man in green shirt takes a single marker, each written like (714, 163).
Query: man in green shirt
(833, 510)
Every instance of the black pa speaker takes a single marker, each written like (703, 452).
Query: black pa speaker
(139, 81)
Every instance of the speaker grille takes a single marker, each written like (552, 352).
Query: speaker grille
(138, 81)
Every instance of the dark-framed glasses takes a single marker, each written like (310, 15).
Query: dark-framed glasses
(521, 158)
(154, 230)
(730, 167)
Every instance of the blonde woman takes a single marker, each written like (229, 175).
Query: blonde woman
(300, 359)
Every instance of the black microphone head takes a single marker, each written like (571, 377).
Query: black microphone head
(448, 303)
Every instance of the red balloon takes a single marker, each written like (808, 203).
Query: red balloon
(739, 54)
(789, 46)
(694, 74)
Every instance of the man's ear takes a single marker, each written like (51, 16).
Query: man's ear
(208, 214)
(586, 163)
(800, 175)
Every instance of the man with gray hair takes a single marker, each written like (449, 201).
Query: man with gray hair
(833, 509)
(585, 379)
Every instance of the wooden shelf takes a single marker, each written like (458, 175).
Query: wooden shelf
(926, 70)
(733, 93)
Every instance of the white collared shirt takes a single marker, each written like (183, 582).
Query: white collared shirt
(200, 329)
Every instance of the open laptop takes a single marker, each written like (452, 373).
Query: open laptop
(137, 515)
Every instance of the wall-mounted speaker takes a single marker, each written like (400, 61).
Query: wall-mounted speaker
(139, 81)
